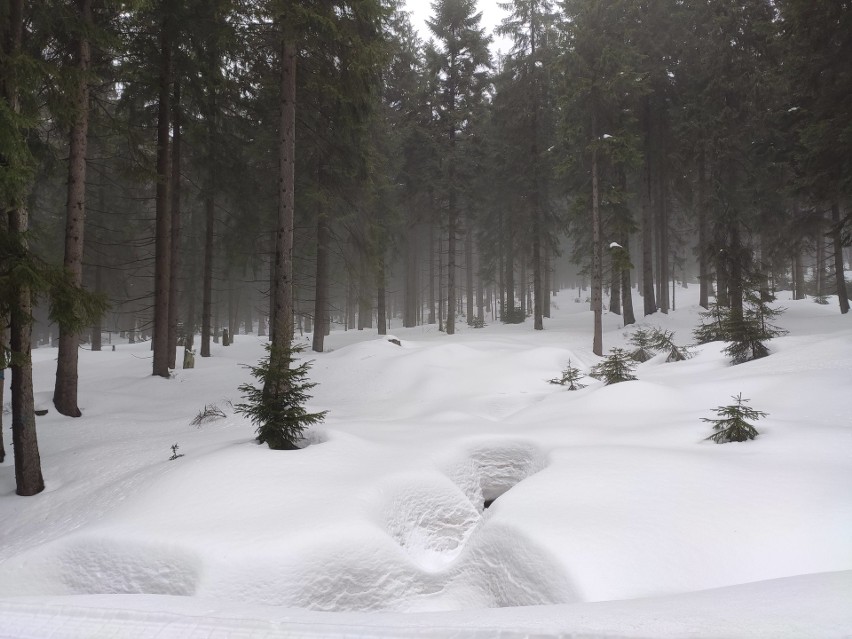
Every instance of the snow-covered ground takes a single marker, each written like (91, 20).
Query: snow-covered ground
(614, 516)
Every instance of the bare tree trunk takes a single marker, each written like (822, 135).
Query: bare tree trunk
(28, 478)
(207, 283)
(597, 275)
(627, 296)
(410, 301)
(840, 279)
(65, 389)
(321, 295)
(441, 297)
(162, 260)
(468, 263)
(176, 229)
(3, 347)
(381, 302)
(703, 249)
(509, 280)
(431, 273)
(452, 220)
(282, 335)
(548, 282)
(97, 327)
(614, 285)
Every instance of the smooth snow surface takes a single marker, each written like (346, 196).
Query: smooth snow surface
(609, 513)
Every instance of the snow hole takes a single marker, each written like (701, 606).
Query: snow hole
(491, 469)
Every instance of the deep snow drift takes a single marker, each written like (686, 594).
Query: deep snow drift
(378, 527)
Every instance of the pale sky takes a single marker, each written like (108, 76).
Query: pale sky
(492, 14)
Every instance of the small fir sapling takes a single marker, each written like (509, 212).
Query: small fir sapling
(664, 341)
(616, 367)
(732, 423)
(280, 420)
(714, 322)
(748, 336)
(571, 377)
(209, 413)
(175, 453)
(643, 341)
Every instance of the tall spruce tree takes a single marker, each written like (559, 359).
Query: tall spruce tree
(460, 63)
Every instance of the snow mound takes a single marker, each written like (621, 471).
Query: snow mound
(490, 468)
(93, 565)
(103, 563)
(502, 568)
(429, 517)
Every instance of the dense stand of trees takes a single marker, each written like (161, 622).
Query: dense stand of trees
(215, 167)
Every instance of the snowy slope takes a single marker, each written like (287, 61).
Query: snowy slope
(378, 528)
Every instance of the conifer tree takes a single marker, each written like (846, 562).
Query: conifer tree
(732, 423)
(460, 64)
(571, 377)
(616, 367)
(280, 418)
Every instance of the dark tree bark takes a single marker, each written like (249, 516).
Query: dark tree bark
(410, 295)
(703, 236)
(207, 277)
(282, 293)
(174, 282)
(321, 295)
(627, 298)
(840, 279)
(452, 220)
(614, 286)
(28, 477)
(597, 271)
(65, 389)
(162, 259)
(97, 327)
(548, 282)
(365, 291)
(381, 301)
(468, 264)
(509, 280)
(431, 319)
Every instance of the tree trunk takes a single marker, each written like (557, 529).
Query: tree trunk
(176, 229)
(410, 301)
(162, 260)
(452, 219)
(548, 282)
(840, 279)
(509, 280)
(97, 327)
(597, 274)
(441, 298)
(381, 302)
(321, 308)
(282, 334)
(28, 477)
(431, 273)
(703, 249)
(627, 296)
(468, 263)
(65, 389)
(614, 285)
(207, 278)
(648, 293)
(2, 369)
